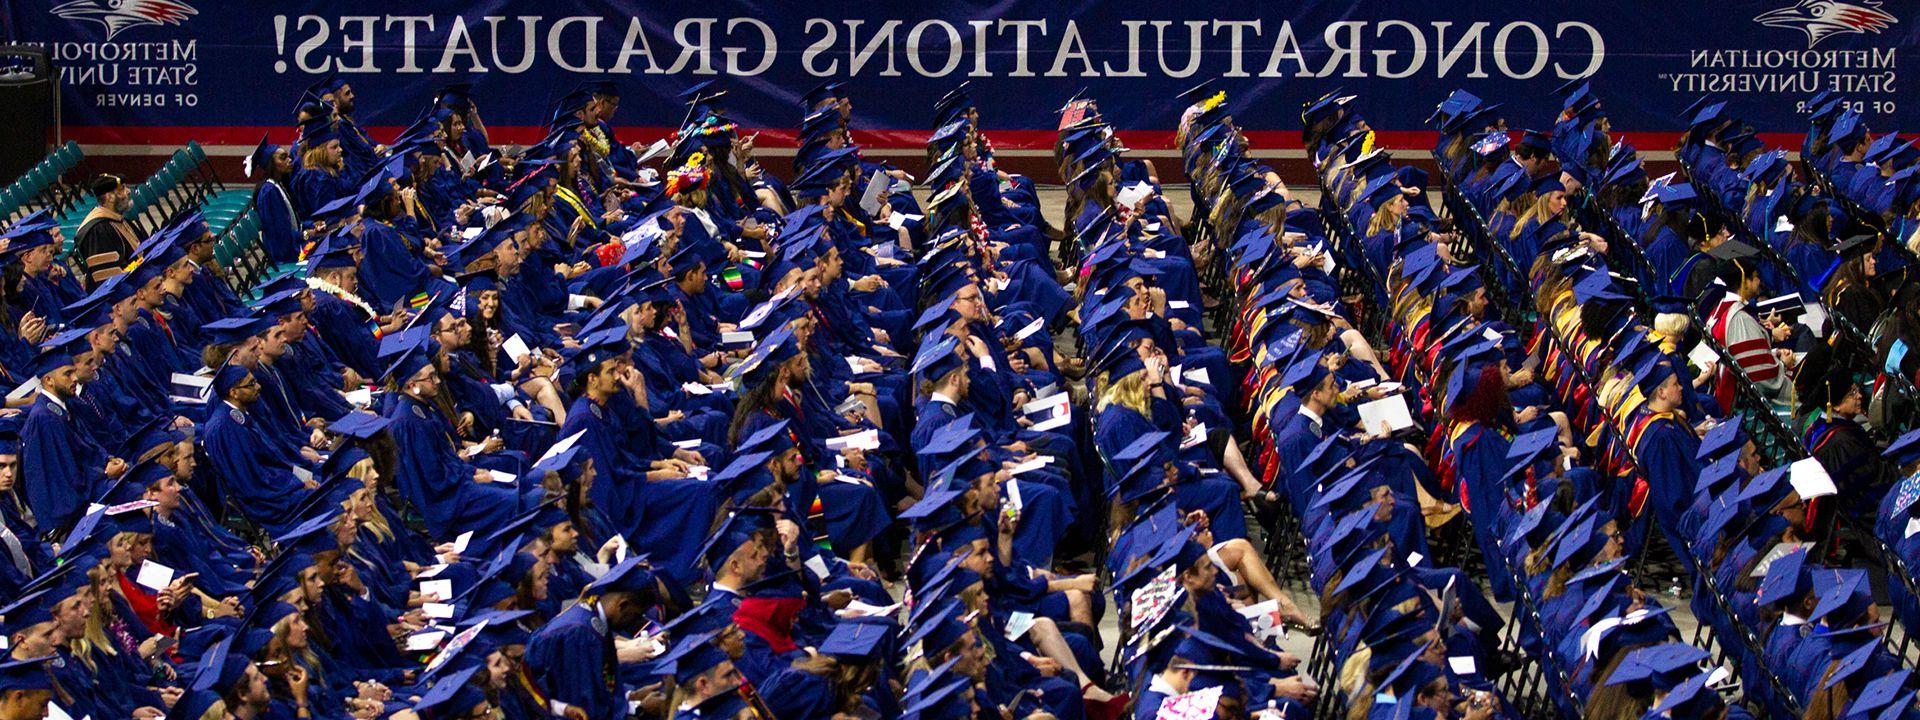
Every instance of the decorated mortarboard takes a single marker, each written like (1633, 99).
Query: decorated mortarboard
(1784, 577)
(1324, 105)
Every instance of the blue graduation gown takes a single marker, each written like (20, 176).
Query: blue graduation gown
(344, 328)
(572, 660)
(1480, 459)
(256, 476)
(431, 475)
(60, 468)
(279, 223)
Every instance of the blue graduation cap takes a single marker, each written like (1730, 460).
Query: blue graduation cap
(1786, 579)
(1905, 449)
(632, 575)
(1850, 665)
(29, 674)
(452, 695)
(1845, 597)
(1672, 661)
(1596, 286)
(856, 641)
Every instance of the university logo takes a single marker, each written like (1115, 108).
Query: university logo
(119, 15)
(1821, 19)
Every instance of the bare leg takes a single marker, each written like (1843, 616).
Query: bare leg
(1359, 349)
(1236, 466)
(1047, 638)
(1241, 556)
(542, 391)
(1079, 607)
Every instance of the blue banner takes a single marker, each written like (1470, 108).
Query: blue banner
(162, 70)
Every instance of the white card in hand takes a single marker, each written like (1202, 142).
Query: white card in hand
(868, 439)
(1052, 406)
(1013, 496)
(425, 640)
(360, 398)
(658, 146)
(436, 590)
(696, 389)
(688, 444)
(1018, 623)
(1463, 665)
(1391, 410)
(1057, 421)
(1701, 356)
(1131, 195)
(1031, 465)
(1195, 436)
(870, 200)
(516, 348)
(857, 609)
(437, 611)
(817, 565)
(154, 576)
(1030, 329)
(1913, 526)
(1199, 375)
(460, 542)
(29, 387)
(503, 477)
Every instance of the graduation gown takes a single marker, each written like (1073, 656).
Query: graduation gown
(572, 661)
(255, 474)
(60, 468)
(440, 484)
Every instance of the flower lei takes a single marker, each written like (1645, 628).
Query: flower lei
(315, 283)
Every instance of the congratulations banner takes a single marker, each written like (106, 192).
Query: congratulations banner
(163, 71)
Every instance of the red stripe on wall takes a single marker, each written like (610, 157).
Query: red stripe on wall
(784, 137)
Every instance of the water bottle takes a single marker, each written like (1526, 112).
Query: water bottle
(1673, 591)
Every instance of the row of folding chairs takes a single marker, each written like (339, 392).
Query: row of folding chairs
(41, 186)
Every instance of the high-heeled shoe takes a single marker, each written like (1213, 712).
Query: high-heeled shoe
(1113, 708)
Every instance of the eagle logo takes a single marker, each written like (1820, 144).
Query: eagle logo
(1821, 19)
(119, 15)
